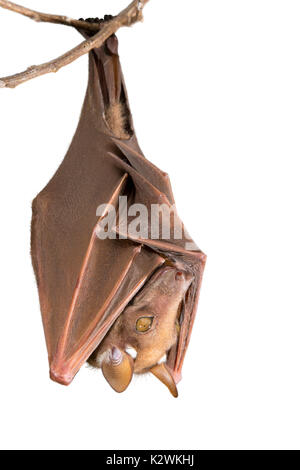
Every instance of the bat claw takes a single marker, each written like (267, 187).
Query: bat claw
(116, 356)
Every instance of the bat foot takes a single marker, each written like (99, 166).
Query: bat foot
(97, 20)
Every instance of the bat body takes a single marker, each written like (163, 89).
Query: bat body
(106, 285)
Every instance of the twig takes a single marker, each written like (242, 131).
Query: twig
(48, 18)
(126, 17)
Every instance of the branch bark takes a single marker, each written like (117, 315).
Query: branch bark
(48, 18)
(126, 17)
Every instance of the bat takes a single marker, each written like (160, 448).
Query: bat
(118, 275)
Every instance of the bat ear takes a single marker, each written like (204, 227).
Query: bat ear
(118, 369)
(164, 375)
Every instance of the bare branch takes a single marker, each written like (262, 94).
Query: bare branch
(48, 18)
(126, 17)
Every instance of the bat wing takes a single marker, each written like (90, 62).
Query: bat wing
(176, 246)
(85, 282)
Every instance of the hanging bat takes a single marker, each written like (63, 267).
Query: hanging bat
(108, 286)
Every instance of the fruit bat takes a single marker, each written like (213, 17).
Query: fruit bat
(123, 300)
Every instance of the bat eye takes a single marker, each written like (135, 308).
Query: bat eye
(143, 324)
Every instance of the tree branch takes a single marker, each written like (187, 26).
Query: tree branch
(126, 17)
(48, 18)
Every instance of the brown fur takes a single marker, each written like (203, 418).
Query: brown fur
(116, 118)
(160, 299)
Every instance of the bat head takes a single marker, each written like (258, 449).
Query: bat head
(150, 327)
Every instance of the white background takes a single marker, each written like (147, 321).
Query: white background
(214, 91)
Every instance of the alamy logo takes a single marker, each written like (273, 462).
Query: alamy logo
(136, 221)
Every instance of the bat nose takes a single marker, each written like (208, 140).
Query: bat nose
(179, 276)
